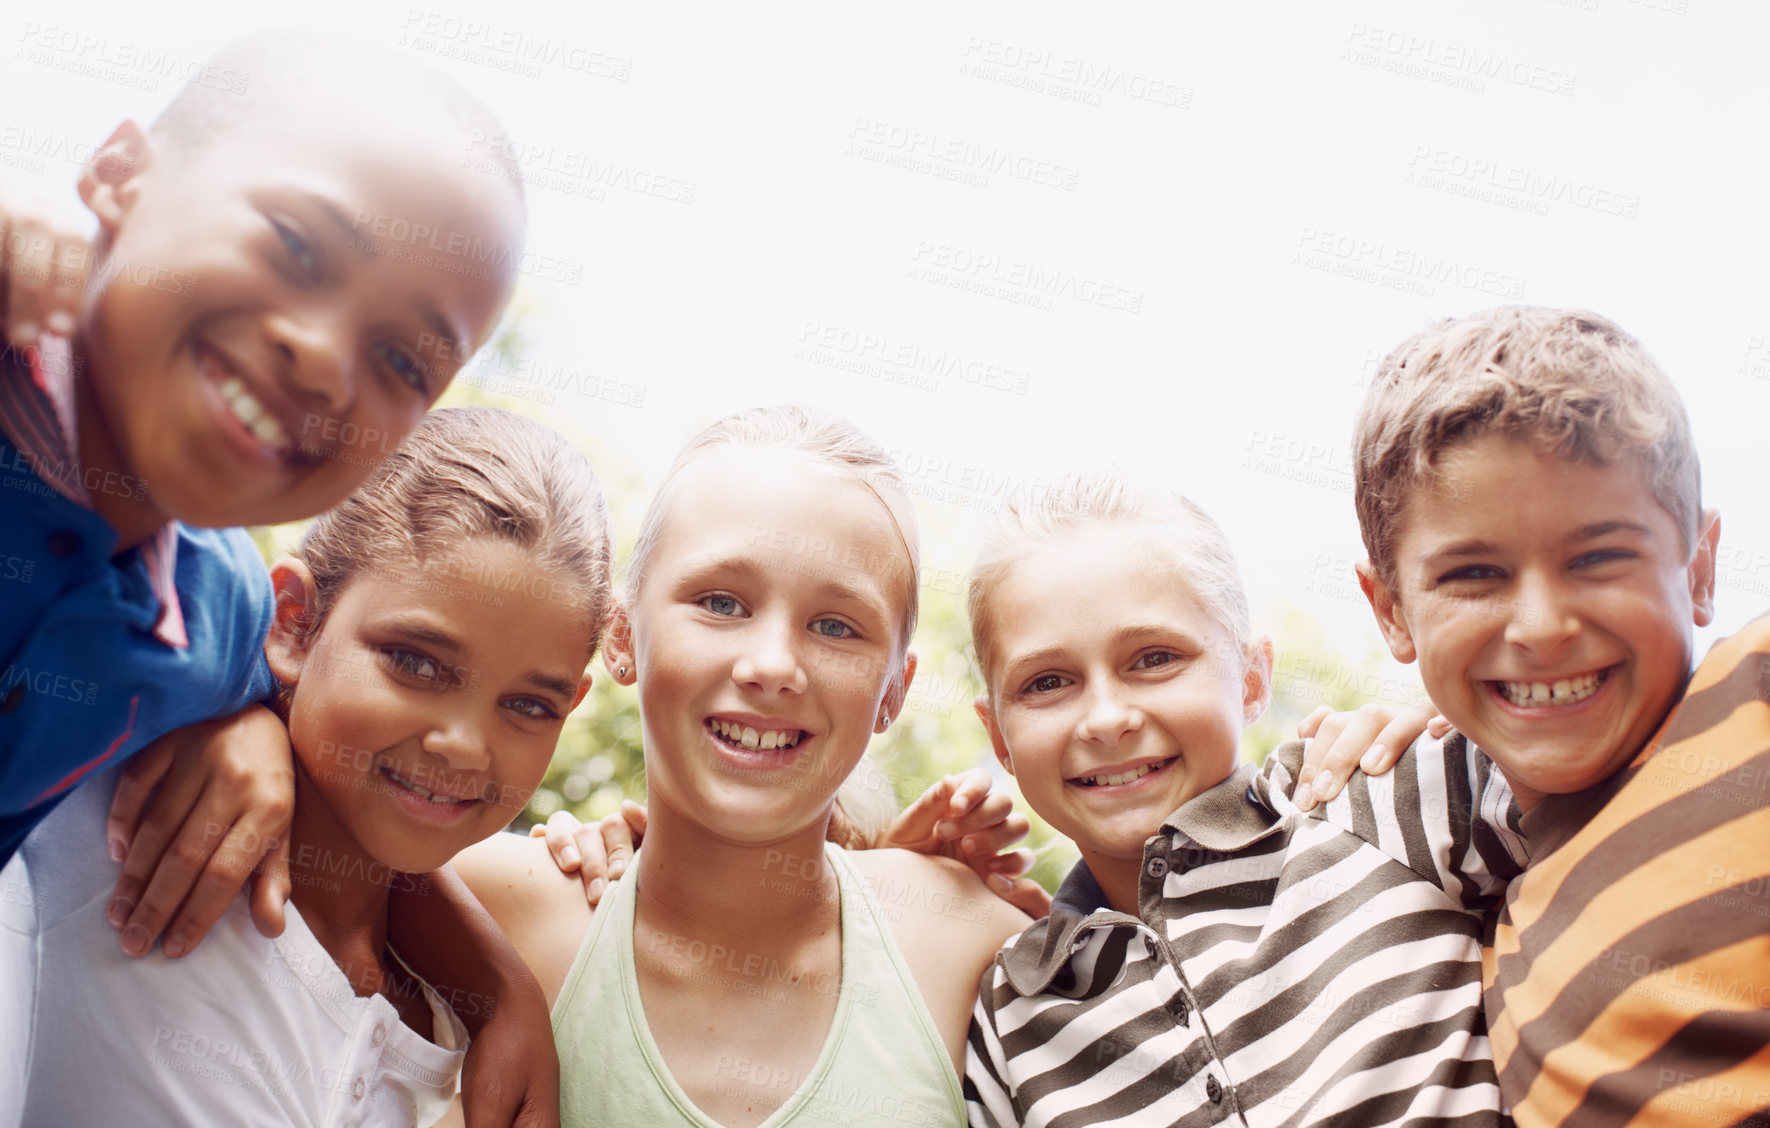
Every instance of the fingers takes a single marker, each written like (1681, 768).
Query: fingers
(42, 271)
(636, 816)
(1307, 726)
(1397, 736)
(136, 783)
(914, 828)
(967, 793)
(1341, 742)
(617, 844)
(147, 847)
(1025, 894)
(270, 890)
(1438, 727)
(214, 889)
(561, 843)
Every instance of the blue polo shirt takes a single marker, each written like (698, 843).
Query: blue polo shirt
(101, 653)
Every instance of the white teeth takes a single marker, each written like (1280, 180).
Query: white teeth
(252, 414)
(754, 741)
(1124, 777)
(1565, 691)
(422, 792)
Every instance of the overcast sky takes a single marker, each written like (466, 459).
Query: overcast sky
(1011, 239)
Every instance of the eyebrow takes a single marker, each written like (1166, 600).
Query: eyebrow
(563, 687)
(426, 309)
(413, 631)
(1477, 547)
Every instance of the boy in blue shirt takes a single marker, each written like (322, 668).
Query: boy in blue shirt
(287, 273)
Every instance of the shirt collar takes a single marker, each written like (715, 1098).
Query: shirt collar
(37, 415)
(1227, 818)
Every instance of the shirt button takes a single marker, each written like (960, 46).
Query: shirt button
(357, 1090)
(1212, 1089)
(379, 1036)
(64, 543)
(12, 698)
(1158, 867)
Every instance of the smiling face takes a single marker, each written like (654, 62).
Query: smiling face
(1550, 604)
(764, 639)
(279, 308)
(1114, 697)
(427, 707)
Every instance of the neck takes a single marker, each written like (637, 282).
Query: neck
(756, 899)
(1118, 879)
(117, 495)
(341, 891)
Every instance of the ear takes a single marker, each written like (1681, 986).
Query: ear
(988, 716)
(583, 688)
(617, 647)
(292, 621)
(1256, 686)
(899, 690)
(1702, 569)
(1390, 618)
(110, 180)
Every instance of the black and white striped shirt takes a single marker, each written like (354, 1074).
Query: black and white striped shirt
(1287, 969)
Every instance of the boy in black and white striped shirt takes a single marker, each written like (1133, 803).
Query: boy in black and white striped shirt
(1217, 955)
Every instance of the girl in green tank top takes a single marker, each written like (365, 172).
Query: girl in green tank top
(747, 973)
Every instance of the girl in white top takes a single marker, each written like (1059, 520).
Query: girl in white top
(432, 633)
(747, 975)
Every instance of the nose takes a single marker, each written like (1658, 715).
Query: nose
(456, 741)
(315, 358)
(1110, 718)
(770, 660)
(1540, 618)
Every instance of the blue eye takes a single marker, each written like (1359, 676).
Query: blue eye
(409, 371)
(297, 249)
(1046, 683)
(725, 606)
(834, 628)
(1154, 658)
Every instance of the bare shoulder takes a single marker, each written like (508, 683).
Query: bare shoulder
(540, 909)
(947, 925)
(945, 896)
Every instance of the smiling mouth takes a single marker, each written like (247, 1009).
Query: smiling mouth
(424, 793)
(1564, 691)
(253, 416)
(751, 739)
(1117, 779)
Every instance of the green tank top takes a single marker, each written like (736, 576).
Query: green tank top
(882, 1063)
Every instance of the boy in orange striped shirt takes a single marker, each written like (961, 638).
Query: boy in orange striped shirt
(1527, 489)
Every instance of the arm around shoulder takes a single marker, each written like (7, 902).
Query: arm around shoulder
(540, 909)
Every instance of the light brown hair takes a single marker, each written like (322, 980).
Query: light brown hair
(1566, 380)
(468, 472)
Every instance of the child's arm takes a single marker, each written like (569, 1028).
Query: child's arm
(963, 817)
(43, 264)
(511, 1074)
(1445, 812)
(195, 814)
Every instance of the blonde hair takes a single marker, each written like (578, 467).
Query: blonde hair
(1108, 497)
(1568, 380)
(469, 472)
(828, 439)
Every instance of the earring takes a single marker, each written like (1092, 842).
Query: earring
(885, 719)
(620, 671)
